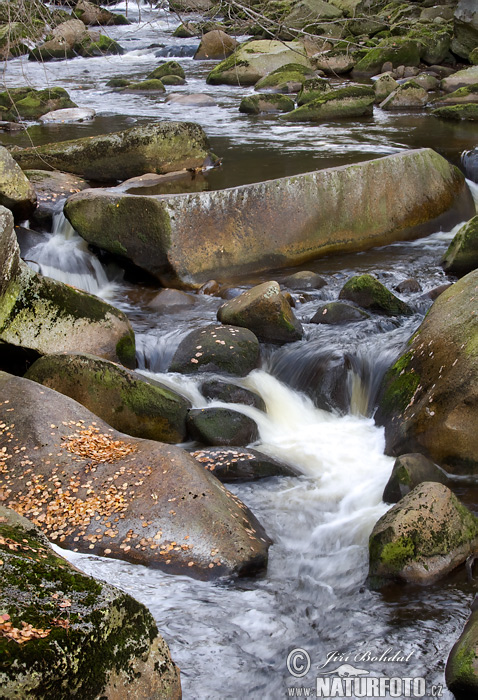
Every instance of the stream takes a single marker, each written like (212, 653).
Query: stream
(232, 639)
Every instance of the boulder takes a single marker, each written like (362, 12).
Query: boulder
(27, 103)
(65, 41)
(409, 471)
(164, 69)
(157, 148)
(336, 313)
(311, 90)
(94, 490)
(467, 112)
(152, 85)
(287, 78)
(217, 390)
(194, 100)
(366, 291)
(221, 349)
(173, 80)
(427, 82)
(260, 104)
(239, 464)
(187, 30)
(460, 79)
(399, 51)
(335, 62)
(221, 426)
(462, 254)
(305, 279)
(189, 239)
(469, 161)
(473, 57)
(254, 59)
(407, 96)
(265, 311)
(335, 104)
(464, 95)
(465, 28)
(384, 87)
(48, 316)
(409, 285)
(94, 15)
(461, 672)
(429, 397)
(171, 300)
(55, 620)
(67, 116)
(427, 534)
(215, 45)
(129, 402)
(307, 13)
(16, 192)
(50, 188)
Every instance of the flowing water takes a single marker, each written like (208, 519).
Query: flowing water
(232, 639)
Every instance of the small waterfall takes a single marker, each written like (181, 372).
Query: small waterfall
(65, 257)
(474, 191)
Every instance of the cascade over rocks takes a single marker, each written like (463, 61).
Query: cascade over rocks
(129, 402)
(429, 397)
(265, 311)
(427, 534)
(55, 620)
(192, 238)
(94, 490)
(157, 148)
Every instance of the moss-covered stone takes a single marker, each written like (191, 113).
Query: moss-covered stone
(336, 104)
(168, 68)
(118, 82)
(265, 311)
(129, 402)
(467, 112)
(461, 672)
(311, 90)
(399, 52)
(28, 103)
(384, 86)
(151, 85)
(464, 95)
(279, 79)
(221, 426)
(90, 639)
(409, 471)
(221, 349)
(366, 291)
(462, 254)
(257, 104)
(172, 80)
(16, 192)
(410, 95)
(424, 536)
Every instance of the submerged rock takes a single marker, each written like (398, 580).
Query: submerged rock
(194, 100)
(94, 490)
(221, 426)
(16, 191)
(427, 534)
(259, 104)
(164, 69)
(265, 311)
(462, 254)
(468, 112)
(409, 471)
(222, 349)
(239, 464)
(336, 313)
(311, 90)
(157, 148)
(410, 95)
(429, 397)
(79, 636)
(335, 104)
(366, 291)
(129, 402)
(192, 238)
(305, 279)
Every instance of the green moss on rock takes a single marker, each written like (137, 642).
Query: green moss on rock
(168, 68)
(369, 293)
(336, 104)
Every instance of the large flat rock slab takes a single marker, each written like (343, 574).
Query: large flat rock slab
(187, 239)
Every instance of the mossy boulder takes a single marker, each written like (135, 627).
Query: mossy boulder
(466, 112)
(460, 79)
(410, 95)
(218, 390)
(95, 490)
(94, 15)
(465, 28)
(336, 313)
(366, 291)
(255, 59)
(312, 89)
(150, 85)
(429, 397)
(342, 103)
(285, 78)
(308, 12)
(221, 426)
(9, 252)
(65, 41)
(464, 95)
(335, 62)
(230, 464)
(173, 80)
(118, 82)
(80, 637)
(399, 51)
(427, 534)
(167, 68)
(259, 104)
(129, 402)
(16, 191)
(265, 311)
(384, 86)
(462, 254)
(28, 103)
(216, 45)
(461, 672)
(473, 57)
(221, 349)
(409, 471)
(157, 148)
